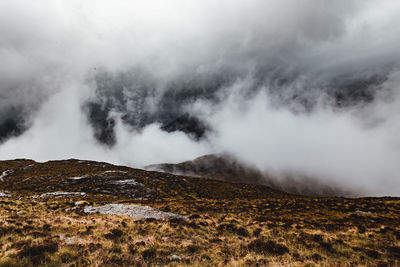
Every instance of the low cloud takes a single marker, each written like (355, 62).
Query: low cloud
(303, 87)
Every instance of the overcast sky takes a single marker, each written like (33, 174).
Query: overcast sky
(283, 64)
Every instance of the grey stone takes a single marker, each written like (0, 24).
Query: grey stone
(134, 211)
(175, 258)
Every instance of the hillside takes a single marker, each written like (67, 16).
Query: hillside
(225, 167)
(52, 214)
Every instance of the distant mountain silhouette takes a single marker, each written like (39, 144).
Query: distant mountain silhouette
(226, 168)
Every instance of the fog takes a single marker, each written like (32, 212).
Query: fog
(302, 87)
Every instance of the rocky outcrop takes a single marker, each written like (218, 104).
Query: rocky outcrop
(134, 211)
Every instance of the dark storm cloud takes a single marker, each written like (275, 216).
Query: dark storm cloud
(299, 86)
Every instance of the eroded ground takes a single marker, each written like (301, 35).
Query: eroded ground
(42, 221)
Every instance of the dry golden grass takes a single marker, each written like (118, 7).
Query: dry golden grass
(228, 225)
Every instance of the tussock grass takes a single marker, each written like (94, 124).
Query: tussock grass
(228, 225)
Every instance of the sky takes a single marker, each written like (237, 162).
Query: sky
(309, 88)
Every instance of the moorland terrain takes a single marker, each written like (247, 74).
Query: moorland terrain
(45, 220)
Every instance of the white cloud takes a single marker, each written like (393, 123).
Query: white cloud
(50, 49)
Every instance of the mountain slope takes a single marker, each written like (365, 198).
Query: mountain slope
(226, 168)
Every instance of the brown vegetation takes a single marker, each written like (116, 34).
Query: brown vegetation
(228, 224)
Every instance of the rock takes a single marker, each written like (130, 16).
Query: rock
(60, 194)
(116, 183)
(363, 212)
(4, 174)
(175, 258)
(134, 211)
(3, 194)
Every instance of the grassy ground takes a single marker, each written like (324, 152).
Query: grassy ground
(228, 225)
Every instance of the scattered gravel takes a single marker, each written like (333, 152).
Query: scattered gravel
(134, 211)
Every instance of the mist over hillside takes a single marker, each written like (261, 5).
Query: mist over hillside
(308, 88)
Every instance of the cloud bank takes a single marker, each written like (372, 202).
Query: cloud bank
(306, 87)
